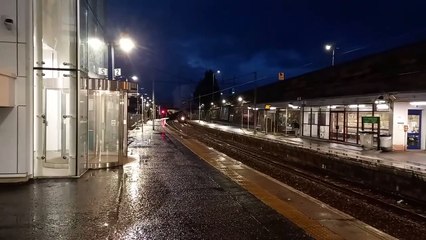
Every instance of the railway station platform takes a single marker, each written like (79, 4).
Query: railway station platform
(170, 192)
(411, 160)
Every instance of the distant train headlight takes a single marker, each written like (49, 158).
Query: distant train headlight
(182, 118)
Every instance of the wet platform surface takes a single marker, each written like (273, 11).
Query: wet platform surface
(168, 193)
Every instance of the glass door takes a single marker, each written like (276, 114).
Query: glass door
(337, 126)
(57, 126)
(55, 113)
(414, 129)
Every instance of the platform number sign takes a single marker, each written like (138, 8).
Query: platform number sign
(103, 71)
(117, 72)
(281, 76)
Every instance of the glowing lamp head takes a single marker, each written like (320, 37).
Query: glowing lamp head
(328, 47)
(126, 44)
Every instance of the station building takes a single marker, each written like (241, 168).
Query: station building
(355, 103)
(58, 115)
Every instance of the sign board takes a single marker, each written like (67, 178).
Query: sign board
(370, 120)
(267, 106)
(405, 128)
(103, 71)
(117, 72)
(281, 76)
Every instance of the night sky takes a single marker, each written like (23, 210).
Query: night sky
(178, 40)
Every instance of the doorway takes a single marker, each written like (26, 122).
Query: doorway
(414, 132)
(337, 126)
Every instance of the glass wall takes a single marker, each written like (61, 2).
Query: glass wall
(316, 122)
(107, 130)
(93, 47)
(55, 91)
(344, 122)
(82, 124)
(63, 64)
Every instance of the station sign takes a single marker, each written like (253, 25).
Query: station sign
(102, 71)
(370, 120)
(267, 106)
(117, 72)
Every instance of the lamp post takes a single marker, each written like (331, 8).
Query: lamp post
(240, 99)
(212, 103)
(255, 104)
(199, 108)
(154, 112)
(126, 45)
(214, 73)
(329, 47)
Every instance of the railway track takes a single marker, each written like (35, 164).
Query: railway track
(340, 187)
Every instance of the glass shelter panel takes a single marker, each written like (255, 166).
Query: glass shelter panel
(82, 125)
(55, 33)
(55, 142)
(107, 128)
(337, 126)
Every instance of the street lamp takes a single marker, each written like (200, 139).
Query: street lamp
(240, 99)
(134, 78)
(329, 47)
(126, 45)
(217, 72)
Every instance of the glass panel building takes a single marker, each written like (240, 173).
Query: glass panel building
(65, 117)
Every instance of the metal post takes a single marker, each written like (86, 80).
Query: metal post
(265, 116)
(154, 112)
(112, 62)
(199, 108)
(248, 119)
(332, 58)
(213, 87)
(286, 120)
(275, 123)
(242, 115)
(142, 112)
(255, 104)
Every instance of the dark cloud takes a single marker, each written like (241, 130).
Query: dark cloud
(179, 40)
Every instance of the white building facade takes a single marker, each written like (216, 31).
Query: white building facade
(55, 109)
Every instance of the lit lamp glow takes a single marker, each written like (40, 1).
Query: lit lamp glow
(418, 103)
(126, 44)
(95, 43)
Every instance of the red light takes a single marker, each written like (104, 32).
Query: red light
(162, 112)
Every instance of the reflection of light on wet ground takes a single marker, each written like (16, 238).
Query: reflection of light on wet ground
(139, 147)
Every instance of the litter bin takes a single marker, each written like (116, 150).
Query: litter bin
(386, 142)
(366, 140)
